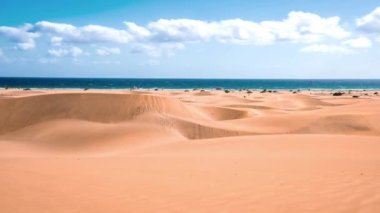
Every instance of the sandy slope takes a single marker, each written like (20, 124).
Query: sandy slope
(175, 151)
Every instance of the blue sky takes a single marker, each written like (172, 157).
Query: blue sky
(192, 39)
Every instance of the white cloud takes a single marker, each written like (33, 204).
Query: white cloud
(157, 50)
(242, 32)
(323, 48)
(56, 41)
(165, 36)
(96, 33)
(21, 36)
(297, 27)
(137, 31)
(58, 28)
(108, 51)
(360, 42)
(180, 30)
(73, 51)
(28, 45)
(307, 27)
(371, 22)
(58, 52)
(86, 34)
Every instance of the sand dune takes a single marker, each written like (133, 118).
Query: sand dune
(177, 151)
(106, 108)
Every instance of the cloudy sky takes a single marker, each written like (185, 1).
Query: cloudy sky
(192, 39)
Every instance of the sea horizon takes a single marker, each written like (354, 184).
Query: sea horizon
(185, 83)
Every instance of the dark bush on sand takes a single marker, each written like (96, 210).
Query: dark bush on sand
(338, 93)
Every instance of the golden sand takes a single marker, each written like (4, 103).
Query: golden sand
(177, 151)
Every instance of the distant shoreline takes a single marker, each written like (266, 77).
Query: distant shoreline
(173, 84)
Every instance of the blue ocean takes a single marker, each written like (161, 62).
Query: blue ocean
(119, 83)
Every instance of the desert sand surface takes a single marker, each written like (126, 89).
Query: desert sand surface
(189, 151)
